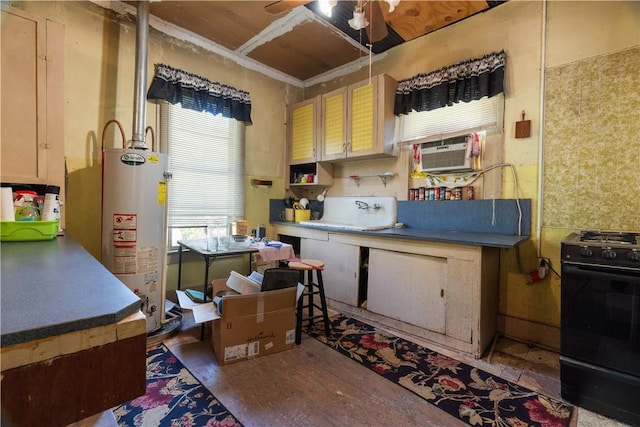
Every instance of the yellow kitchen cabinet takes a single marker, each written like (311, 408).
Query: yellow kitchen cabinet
(358, 121)
(32, 99)
(304, 119)
(304, 170)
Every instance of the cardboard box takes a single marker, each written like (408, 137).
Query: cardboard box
(240, 227)
(253, 325)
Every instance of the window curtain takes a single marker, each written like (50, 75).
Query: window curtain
(466, 81)
(199, 93)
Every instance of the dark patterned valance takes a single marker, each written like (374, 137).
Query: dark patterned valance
(199, 93)
(466, 81)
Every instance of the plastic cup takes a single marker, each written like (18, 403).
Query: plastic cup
(212, 237)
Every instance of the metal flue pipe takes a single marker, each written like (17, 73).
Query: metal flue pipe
(140, 83)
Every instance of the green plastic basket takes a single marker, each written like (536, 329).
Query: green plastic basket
(28, 231)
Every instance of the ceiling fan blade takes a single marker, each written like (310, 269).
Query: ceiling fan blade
(282, 6)
(377, 28)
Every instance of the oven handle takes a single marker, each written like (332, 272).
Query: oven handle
(601, 272)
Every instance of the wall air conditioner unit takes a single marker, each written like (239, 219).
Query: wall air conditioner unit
(447, 155)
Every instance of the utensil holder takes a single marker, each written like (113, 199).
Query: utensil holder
(302, 215)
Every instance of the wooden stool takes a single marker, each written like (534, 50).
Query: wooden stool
(310, 289)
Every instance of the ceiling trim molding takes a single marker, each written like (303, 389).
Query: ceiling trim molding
(277, 28)
(345, 69)
(297, 16)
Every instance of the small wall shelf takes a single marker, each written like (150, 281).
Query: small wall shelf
(382, 176)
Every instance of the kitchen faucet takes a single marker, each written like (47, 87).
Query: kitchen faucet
(364, 205)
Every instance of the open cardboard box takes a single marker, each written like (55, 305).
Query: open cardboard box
(253, 325)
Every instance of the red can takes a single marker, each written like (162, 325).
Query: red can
(412, 194)
(470, 192)
(421, 193)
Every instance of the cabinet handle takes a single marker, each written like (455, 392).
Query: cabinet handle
(441, 293)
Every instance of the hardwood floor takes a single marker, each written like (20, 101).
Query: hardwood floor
(313, 385)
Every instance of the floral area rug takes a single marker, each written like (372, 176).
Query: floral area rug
(174, 398)
(468, 393)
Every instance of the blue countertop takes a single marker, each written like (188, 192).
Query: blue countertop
(54, 287)
(495, 240)
(500, 223)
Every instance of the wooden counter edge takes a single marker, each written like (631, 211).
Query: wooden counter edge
(48, 348)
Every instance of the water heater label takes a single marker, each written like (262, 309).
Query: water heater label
(162, 193)
(125, 220)
(132, 159)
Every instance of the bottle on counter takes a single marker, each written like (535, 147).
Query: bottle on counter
(51, 208)
(25, 206)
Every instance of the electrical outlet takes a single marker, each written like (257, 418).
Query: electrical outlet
(543, 267)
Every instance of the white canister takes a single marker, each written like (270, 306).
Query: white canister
(51, 208)
(8, 210)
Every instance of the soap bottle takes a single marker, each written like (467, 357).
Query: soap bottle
(25, 206)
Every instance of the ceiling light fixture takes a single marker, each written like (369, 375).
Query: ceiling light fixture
(392, 4)
(326, 6)
(359, 21)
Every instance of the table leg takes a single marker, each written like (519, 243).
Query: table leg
(207, 262)
(179, 265)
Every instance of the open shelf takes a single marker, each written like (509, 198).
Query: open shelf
(383, 176)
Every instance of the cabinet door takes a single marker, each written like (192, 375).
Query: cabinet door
(362, 115)
(408, 287)
(342, 268)
(24, 157)
(333, 138)
(304, 119)
(32, 101)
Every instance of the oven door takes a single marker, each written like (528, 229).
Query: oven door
(600, 317)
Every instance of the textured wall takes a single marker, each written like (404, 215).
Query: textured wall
(592, 143)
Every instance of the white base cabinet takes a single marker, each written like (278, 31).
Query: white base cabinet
(341, 272)
(408, 287)
(446, 293)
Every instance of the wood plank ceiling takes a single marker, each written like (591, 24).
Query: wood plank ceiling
(301, 42)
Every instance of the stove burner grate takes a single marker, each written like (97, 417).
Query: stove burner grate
(610, 237)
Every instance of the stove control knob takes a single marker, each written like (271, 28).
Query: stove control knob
(586, 252)
(634, 255)
(609, 253)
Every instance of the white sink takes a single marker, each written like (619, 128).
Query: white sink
(357, 213)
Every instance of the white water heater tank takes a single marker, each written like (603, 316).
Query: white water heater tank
(134, 224)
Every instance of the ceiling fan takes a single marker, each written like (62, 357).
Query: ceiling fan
(367, 14)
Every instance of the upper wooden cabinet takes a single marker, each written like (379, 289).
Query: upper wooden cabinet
(304, 119)
(32, 97)
(357, 121)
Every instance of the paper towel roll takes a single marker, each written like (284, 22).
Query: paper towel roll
(8, 212)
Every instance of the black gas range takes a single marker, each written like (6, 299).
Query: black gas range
(600, 322)
(617, 250)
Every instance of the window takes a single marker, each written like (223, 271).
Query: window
(206, 158)
(458, 119)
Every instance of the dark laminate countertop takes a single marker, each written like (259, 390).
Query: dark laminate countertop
(496, 240)
(48, 288)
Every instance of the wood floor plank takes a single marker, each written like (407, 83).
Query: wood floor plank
(311, 385)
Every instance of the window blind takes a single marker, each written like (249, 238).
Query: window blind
(206, 158)
(459, 119)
